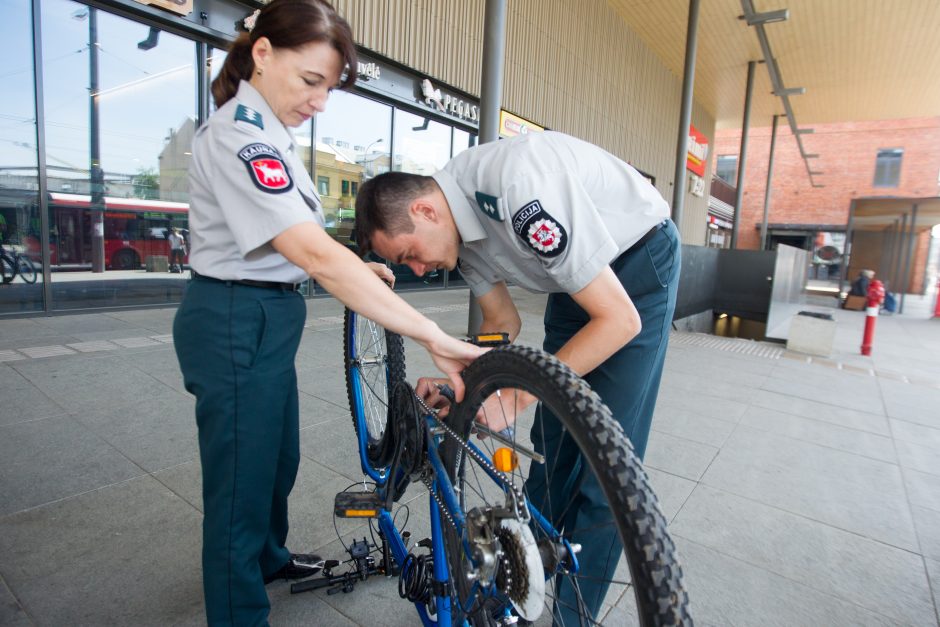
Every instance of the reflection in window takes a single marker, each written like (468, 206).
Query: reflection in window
(145, 96)
(352, 140)
(19, 184)
(323, 185)
(422, 146)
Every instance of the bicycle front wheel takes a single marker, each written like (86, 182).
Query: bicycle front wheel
(26, 269)
(375, 362)
(596, 533)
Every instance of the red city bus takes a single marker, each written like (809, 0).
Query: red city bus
(134, 229)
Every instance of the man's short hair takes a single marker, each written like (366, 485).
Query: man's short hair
(382, 205)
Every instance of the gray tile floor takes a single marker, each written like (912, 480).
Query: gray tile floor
(800, 491)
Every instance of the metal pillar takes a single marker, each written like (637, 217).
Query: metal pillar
(491, 95)
(770, 176)
(43, 201)
(847, 249)
(887, 249)
(685, 114)
(897, 263)
(96, 175)
(742, 158)
(911, 242)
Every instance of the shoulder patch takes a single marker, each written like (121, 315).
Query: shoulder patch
(490, 205)
(266, 168)
(247, 114)
(540, 231)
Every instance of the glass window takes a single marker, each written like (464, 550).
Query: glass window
(462, 141)
(20, 233)
(323, 185)
(353, 137)
(112, 214)
(345, 187)
(215, 59)
(727, 168)
(422, 146)
(888, 167)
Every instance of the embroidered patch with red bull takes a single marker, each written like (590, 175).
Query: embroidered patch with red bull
(539, 230)
(266, 168)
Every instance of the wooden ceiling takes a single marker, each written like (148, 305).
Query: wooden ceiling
(858, 59)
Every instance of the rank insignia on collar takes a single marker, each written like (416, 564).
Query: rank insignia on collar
(540, 231)
(247, 114)
(490, 205)
(266, 168)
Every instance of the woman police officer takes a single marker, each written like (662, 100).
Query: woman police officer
(256, 232)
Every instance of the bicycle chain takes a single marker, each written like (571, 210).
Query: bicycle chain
(518, 498)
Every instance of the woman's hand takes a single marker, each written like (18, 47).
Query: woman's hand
(383, 272)
(451, 356)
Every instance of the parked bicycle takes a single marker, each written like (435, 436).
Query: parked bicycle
(13, 263)
(498, 554)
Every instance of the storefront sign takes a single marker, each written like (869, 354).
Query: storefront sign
(182, 7)
(511, 125)
(369, 71)
(698, 152)
(446, 103)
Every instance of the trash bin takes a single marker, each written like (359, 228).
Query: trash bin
(812, 332)
(157, 263)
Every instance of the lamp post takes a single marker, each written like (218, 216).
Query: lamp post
(365, 155)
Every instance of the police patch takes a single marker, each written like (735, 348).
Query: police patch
(540, 231)
(490, 206)
(247, 114)
(266, 168)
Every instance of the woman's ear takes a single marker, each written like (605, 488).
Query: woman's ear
(261, 52)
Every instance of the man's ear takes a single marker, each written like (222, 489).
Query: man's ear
(423, 209)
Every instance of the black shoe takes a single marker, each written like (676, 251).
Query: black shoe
(299, 565)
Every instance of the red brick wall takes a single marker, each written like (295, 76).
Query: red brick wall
(847, 154)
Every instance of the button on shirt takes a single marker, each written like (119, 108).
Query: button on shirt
(545, 210)
(247, 185)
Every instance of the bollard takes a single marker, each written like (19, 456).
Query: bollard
(876, 296)
(936, 308)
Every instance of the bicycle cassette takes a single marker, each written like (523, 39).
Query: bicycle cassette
(525, 579)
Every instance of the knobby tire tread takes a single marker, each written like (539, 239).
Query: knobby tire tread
(395, 350)
(651, 554)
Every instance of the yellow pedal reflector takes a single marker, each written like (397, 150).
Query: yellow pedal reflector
(360, 513)
(505, 459)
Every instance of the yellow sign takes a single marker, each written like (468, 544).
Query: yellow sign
(511, 125)
(182, 7)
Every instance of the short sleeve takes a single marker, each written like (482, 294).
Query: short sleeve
(472, 271)
(556, 223)
(254, 185)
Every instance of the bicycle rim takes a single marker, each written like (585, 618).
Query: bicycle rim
(375, 362)
(592, 490)
(26, 269)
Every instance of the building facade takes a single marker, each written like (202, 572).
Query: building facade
(95, 151)
(888, 158)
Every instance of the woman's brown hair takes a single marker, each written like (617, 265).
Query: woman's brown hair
(287, 24)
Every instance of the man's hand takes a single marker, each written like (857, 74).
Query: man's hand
(503, 408)
(383, 272)
(429, 389)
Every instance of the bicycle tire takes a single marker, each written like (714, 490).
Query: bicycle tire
(656, 575)
(7, 271)
(375, 362)
(26, 269)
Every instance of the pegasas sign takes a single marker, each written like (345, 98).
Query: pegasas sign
(447, 103)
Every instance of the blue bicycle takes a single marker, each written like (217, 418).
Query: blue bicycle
(501, 552)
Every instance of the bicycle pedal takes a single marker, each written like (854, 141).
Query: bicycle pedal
(489, 339)
(357, 505)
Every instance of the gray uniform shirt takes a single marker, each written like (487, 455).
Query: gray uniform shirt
(545, 211)
(247, 185)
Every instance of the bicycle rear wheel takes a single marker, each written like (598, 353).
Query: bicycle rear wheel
(26, 269)
(375, 362)
(591, 490)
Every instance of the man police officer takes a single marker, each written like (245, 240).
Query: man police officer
(549, 213)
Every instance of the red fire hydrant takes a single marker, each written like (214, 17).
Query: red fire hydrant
(876, 296)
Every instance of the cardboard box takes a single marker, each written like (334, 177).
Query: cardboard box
(854, 303)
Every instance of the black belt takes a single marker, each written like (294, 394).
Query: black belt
(646, 237)
(268, 285)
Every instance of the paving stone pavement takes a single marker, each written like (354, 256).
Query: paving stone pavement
(800, 490)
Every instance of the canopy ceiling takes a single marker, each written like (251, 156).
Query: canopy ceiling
(858, 59)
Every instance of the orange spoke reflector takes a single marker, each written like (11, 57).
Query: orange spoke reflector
(505, 459)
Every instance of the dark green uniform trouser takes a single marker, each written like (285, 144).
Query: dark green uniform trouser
(628, 383)
(236, 347)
